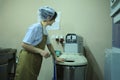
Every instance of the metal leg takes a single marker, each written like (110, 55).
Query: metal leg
(55, 76)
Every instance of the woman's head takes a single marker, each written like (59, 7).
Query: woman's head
(47, 13)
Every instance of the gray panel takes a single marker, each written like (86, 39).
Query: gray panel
(71, 72)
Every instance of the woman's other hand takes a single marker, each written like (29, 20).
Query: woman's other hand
(45, 54)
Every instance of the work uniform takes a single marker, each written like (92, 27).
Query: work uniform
(29, 64)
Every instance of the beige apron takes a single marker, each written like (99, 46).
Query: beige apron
(29, 64)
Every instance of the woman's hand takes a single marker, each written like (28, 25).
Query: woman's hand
(45, 54)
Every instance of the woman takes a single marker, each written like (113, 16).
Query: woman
(30, 57)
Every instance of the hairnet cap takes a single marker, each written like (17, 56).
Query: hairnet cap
(45, 12)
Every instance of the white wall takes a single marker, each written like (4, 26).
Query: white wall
(88, 18)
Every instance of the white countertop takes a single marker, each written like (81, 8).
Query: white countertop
(73, 59)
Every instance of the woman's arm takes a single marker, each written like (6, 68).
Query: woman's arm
(51, 49)
(33, 49)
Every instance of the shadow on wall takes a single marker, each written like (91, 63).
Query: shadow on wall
(93, 71)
